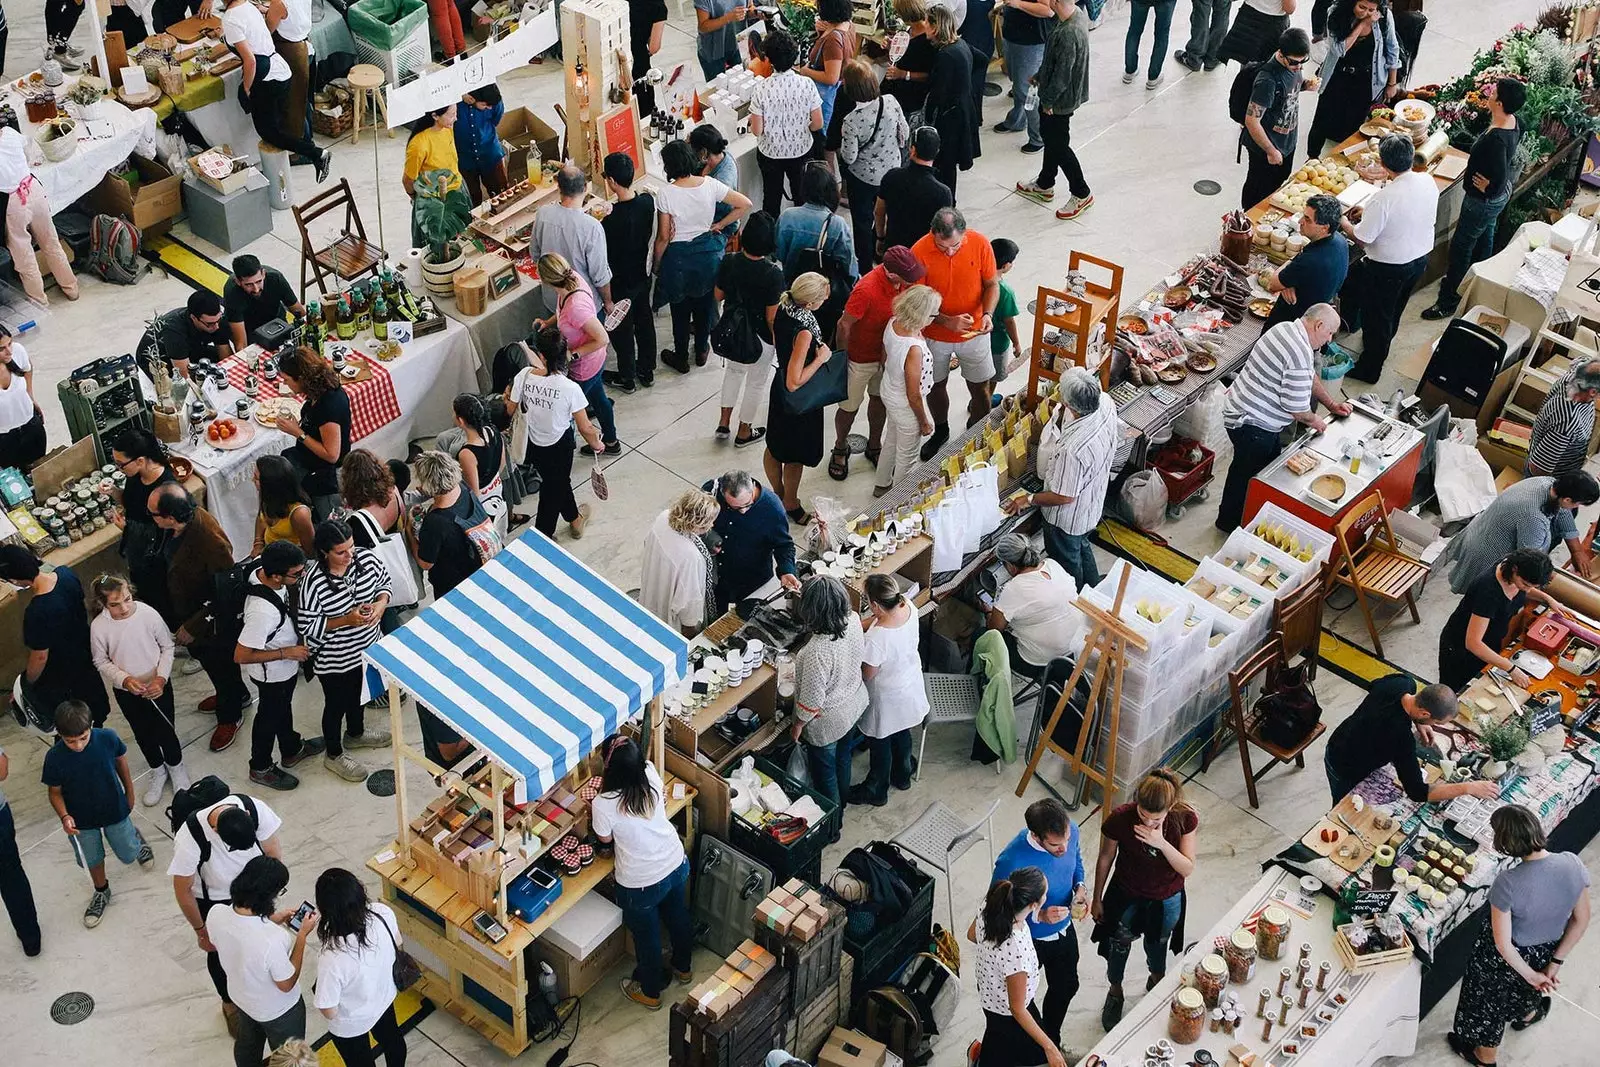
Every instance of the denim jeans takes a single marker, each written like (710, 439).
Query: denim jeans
(830, 767)
(594, 390)
(1074, 553)
(1472, 242)
(1130, 46)
(644, 910)
(123, 837)
(1155, 944)
(274, 722)
(890, 762)
(1022, 62)
(254, 1034)
(1253, 449)
(14, 887)
(1208, 25)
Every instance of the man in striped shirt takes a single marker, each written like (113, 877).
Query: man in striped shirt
(1560, 440)
(1075, 485)
(1277, 386)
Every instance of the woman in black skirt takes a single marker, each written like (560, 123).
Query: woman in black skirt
(1253, 37)
(794, 441)
(949, 107)
(1008, 974)
(1539, 910)
(1362, 68)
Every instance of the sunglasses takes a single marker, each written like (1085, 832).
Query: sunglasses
(1294, 63)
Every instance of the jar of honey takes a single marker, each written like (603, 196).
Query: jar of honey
(1272, 932)
(1187, 1019)
(1240, 954)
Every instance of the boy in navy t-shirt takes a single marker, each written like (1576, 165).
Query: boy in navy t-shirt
(91, 789)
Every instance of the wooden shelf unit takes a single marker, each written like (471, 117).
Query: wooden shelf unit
(912, 560)
(1101, 304)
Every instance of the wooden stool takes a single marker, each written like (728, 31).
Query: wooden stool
(367, 79)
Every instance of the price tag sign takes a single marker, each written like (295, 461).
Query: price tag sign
(1372, 901)
(1542, 715)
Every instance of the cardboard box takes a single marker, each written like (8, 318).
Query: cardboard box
(151, 203)
(794, 887)
(520, 128)
(575, 977)
(773, 916)
(805, 926)
(851, 1048)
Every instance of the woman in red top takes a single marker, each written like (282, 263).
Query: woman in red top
(1152, 844)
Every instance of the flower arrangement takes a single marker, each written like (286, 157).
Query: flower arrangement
(89, 90)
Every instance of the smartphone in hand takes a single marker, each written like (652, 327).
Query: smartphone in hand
(299, 916)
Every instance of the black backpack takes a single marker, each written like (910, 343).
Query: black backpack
(735, 338)
(188, 803)
(229, 592)
(1239, 93)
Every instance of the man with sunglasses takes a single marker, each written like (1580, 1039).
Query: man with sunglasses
(1273, 117)
(753, 538)
(191, 332)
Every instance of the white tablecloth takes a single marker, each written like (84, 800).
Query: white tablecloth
(426, 380)
(80, 172)
(1380, 1019)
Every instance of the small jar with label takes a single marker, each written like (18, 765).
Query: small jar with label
(1210, 977)
(1187, 1019)
(1240, 953)
(1272, 932)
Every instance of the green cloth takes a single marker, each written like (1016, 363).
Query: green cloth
(1004, 311)
(997, 717)
(1064, 72)
(199, 91)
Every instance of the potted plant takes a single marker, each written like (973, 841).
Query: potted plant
(86, 95)
(442, 213)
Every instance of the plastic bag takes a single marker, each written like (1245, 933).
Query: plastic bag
(1463, 481)
(946, 524)
(829, 525)
(1144, 496)
(1202, 419)
(799, 768)
(983, 482)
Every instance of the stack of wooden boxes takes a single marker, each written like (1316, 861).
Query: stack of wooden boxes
(735, 1017)
(812, 949)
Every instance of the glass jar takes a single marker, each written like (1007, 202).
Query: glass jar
(1187, 1019)
(1240, 954)
(1210, 977)
(1272, 932)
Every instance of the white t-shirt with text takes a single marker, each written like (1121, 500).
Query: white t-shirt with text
(548, 402)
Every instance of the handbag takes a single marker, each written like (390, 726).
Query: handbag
(597, 481)
(829, 385)
(735, 336)
(404, 587)
(1288, 711)
(407, 971)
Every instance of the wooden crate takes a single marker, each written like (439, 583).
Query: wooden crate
(1371, 960)
(742, 1038)
(813, 965)
(481, 889)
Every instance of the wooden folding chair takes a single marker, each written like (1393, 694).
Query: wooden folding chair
(349, 256)
(1264, 663)
(1297, 622)
(1372, 565)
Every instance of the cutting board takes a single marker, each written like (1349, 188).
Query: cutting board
(1475, 718)
(1362, 821)
(192, 29)
(1450, 167)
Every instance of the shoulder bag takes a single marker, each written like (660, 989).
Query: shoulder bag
(735, 336)
(406, 971)
(404, 588)
(829, 385)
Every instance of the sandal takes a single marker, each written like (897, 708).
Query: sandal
(798, 516)
(839, 464)
(1465, 1051)
(872, 455)
(1537, 1017)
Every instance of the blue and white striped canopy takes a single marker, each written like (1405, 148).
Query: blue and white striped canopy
(535, 657)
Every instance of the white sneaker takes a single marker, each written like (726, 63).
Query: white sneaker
(178, 775)
(371, 737)
(1034, 191)
(191, 666)
(157, 786)
(1153, 82)
(1128, 76)
(345, 767)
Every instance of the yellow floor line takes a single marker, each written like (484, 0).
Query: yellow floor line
(407, 1007)
(186, 263)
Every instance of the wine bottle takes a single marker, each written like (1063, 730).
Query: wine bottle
(346, 320)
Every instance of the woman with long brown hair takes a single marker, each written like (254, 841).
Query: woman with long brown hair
(1151, 842)
(322, 432)
(284, 512)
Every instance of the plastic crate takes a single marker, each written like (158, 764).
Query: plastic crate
(879, 954)
(385, 23)
(1153, 586)
(1252, 629)
(801, 858)
(1184, 479)
(1322, 541)
(1242, 543)
(412, 53)
(1160, 638)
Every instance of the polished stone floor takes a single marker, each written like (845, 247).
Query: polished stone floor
(1142, 151)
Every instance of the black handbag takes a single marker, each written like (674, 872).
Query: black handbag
(1288, 711)
(407, 971)
(829, 385)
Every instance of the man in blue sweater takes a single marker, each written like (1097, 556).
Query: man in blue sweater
(755, 539)
(1050, 843)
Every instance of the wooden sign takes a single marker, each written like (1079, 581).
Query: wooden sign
(619, 132)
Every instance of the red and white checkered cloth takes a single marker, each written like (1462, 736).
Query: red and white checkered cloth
(373, 403)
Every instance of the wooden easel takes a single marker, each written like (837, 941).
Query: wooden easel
(1110, 636)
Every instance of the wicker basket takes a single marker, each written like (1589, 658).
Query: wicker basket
(335, 98)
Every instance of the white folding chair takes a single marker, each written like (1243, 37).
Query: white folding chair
(951, 698)
(939, 838)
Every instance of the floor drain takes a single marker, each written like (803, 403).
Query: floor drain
(72, 1008)
(381, 783)
(1207, 187)
(857, 443)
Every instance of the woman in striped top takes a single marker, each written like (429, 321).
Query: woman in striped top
(342, 597)
(1560, 441)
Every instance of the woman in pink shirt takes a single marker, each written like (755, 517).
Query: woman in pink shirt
(579, 322)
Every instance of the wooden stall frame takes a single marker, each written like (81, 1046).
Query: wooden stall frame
(1101, 304)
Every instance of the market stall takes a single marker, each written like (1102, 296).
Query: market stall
(1337, 1008)
(535, 660)
(94, 144)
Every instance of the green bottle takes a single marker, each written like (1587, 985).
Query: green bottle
(346, 320)
(380, 319)
(362, 308)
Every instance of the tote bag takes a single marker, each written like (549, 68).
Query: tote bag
(947, 527)
(984, 485)
(404, 587)
(829, 385)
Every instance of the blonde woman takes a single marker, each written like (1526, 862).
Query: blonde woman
(679, 572)
(907, 377)
(794, 441)
(578, 320)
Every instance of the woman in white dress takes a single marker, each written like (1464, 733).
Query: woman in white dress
(907, 377)
(892, 667)
(678, 571)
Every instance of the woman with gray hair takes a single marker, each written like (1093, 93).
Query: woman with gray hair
(907, 377)
(1560, 440)
(678, 573)
(830, 694)
(444, 551)
(1034, 611)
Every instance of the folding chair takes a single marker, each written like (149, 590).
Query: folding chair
(951, 698)
(1264, 663)
(351, 255)
(938, 837)
(1372, 565)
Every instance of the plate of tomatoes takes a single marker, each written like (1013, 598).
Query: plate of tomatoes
(228, 433)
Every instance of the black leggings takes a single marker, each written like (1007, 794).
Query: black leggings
(269, 110)
(61, 18)
(341, 705)
(152, 726)
(554, 464)
(358, 1051)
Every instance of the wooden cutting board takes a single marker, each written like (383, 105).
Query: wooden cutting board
(1362, 821)
(192, 29)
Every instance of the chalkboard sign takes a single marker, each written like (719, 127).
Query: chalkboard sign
(1372, 901)
(1542, 715)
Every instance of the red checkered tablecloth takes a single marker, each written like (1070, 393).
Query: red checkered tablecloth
(373, 403)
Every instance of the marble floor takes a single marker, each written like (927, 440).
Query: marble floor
(1142, 151)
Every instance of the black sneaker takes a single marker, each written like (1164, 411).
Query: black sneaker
(1437, 312)
(756, 434)
(1001, 127)
(1187, 60)
(860, 794)
(616, 381)
(324, 165)
(97, 907)
(613, 448)
(648, 381)
(1031, 148)
(310, 746)
(930, 448)
(274, 778)
(1111, 1012)
(671, 359)
(1212, 64)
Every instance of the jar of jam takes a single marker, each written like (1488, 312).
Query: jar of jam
(1210, 977)
(1187, 1019)
(1272, 932)
(1240, 954)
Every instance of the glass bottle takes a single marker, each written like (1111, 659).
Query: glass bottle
(361, 307)
(380, 318)
(346, 321)
(313, 334)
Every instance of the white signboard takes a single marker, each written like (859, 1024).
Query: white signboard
(445, 86)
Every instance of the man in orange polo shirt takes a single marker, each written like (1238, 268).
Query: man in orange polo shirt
(860, 332)
(960, 268)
